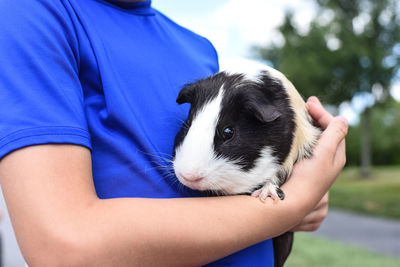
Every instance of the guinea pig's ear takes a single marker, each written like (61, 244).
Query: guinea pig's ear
(186, 95)
(265, 112)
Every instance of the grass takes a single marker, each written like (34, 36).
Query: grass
(378, 195)
(313, 251)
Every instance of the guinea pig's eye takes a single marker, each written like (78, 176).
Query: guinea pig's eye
(227, 133)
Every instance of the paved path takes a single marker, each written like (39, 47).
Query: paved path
(373, 234)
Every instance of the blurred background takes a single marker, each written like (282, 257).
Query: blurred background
(348, 54)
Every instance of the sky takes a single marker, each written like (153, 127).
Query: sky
(234, 26)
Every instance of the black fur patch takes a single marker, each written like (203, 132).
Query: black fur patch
(242, 108)
(258, 111)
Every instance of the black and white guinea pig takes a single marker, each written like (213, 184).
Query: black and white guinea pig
(244, 132)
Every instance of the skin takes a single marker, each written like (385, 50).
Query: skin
(59, 220)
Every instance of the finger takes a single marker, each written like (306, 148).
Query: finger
(332, 136)
(324, 202)
(311, 218)
(318, 113)
(340, 157)
(306, 228)
(322, 206)
(315, 217)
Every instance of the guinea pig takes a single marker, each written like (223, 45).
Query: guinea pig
(243, 134)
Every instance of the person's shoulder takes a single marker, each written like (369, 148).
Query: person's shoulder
(19, 13)
(200, 43)
(179, 28)
(32, 22)
(30, 6)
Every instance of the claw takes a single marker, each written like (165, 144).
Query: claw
(280, 193)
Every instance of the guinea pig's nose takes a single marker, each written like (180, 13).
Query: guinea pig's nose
(192, 178)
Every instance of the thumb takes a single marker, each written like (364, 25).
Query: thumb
(333, 135)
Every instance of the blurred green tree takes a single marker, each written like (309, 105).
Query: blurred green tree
(385, 133)
(351, 47)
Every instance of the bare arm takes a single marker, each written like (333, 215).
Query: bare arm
(58, 218)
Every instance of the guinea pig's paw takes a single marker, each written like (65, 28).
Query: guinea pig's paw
(269, 190)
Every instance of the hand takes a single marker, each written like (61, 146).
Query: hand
(313, 220)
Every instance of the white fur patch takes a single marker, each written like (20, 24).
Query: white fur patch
(233, 180)
(250, 68)
(196, 152)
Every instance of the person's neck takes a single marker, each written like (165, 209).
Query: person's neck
(132, 1)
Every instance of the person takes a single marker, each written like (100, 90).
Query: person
(88, 115)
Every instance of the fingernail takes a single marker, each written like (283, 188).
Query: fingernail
(312, 99)
(343, 119)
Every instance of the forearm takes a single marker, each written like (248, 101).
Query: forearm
(194, 231)
(180, 232)
(149, 232)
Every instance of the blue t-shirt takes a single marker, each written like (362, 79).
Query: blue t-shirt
(104, 75)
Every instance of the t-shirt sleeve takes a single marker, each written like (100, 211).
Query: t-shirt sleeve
(41, 98)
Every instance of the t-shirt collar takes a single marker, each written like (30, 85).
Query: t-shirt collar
(142, 7)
